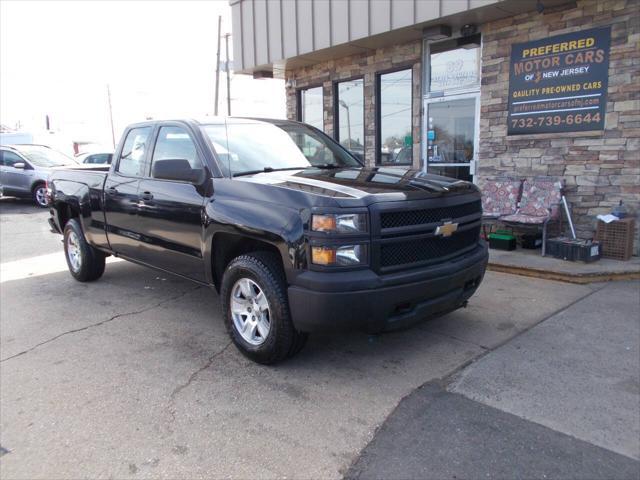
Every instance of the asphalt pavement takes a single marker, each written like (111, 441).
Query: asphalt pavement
(133, 376)
(562, 400)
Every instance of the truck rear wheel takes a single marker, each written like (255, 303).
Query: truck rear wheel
(256, 309)
(85, 262)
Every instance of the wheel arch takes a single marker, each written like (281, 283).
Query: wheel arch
(36, 182)
(226, 246)
(65, 211)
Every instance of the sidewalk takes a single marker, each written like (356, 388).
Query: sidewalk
(531, 264)
(559, 401)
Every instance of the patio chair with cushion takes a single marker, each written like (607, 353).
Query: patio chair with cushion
(499, 198)
(539, 206)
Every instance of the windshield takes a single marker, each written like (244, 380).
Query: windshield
(45, 157)
(254, 147)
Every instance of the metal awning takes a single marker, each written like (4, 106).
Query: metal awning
(271, 36)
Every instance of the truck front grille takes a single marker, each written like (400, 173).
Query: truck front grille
(427, 215)
(405, 238)
(427, 250)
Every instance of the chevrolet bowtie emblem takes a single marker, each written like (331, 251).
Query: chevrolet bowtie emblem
(446, 229)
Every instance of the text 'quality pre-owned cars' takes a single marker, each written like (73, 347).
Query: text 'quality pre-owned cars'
(291, 229)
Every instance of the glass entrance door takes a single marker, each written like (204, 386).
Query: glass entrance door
(451, 135)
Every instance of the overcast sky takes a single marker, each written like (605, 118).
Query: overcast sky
(57, 57)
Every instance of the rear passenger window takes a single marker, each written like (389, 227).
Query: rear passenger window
(131, 161)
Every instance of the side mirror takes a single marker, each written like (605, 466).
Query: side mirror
(20, 165)
(178, 170)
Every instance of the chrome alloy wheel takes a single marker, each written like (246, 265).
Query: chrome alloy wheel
(250, 311)
(73, 251)
(41, 196)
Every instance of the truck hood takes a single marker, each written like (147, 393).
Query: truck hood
(373, 184)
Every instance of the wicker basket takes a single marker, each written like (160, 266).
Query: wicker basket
(616, 238)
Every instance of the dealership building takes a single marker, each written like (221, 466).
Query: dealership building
(473, 89)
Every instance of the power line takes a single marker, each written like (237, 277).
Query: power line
(393, 113)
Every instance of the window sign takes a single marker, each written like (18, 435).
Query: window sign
(559, 84)
(453, 69)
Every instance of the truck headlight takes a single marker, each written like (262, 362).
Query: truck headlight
(343, 255)
(339, 222)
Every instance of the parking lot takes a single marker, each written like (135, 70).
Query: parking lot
(133, 376)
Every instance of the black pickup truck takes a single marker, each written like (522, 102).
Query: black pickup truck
(290, 228)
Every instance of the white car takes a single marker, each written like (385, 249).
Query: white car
(94, 158)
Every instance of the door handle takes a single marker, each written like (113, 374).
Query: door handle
(146, 196)
(112, 191)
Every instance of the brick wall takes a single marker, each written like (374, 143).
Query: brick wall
(362, 65)
(600, 168)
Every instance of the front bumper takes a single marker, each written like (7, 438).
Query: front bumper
(365, 301)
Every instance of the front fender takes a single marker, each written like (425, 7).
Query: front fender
(277, 225)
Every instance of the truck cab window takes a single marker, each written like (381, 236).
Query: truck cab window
(175, 148)
(131, 161)
(174, 143)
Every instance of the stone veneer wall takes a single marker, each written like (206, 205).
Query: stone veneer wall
(601, 167)
(365, 65)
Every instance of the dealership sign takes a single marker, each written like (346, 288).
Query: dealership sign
(559, 84)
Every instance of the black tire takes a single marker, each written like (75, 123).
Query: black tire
(38, 194)
(91, 261)
(283, 340)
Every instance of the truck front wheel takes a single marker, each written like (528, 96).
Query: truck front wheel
(85, 262)
(256, 309)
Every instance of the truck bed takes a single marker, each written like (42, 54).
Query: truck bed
(82, 187)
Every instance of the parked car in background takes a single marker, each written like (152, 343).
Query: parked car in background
(24, 170)
(101, 158)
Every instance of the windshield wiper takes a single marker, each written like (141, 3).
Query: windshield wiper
(267, 170)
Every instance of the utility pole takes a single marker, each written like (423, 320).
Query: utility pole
(215, 110)
(226, 44)
(113, 135)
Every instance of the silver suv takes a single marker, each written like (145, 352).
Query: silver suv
(24, 170)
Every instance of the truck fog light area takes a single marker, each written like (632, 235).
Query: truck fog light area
(339, 256)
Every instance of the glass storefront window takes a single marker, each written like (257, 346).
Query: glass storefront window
(395, 142)
(349, 116)
(451, 129)
(453, 69)
(311, 109)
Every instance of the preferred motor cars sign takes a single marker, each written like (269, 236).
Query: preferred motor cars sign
(559, 84)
